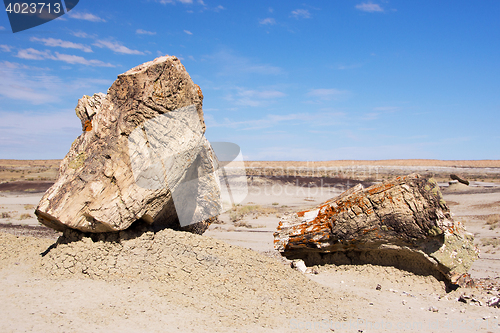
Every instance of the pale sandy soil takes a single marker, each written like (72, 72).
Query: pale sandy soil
(338, 298)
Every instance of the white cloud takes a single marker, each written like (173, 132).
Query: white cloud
(81, 34)
(61, 43)
(73, 59)
(267, 21)
(219, 8)
(116, 47)
(2, 28)
(270, 9)
(85, 16)
(19, 82)
(37, 135)
(352, 66)
(232, 65)
(326, 94)
(301, 13)
(144, 32)
(369, 7)
(188, 32)
(305, 119)
(33, 54)
(254, 98)
(5, 48)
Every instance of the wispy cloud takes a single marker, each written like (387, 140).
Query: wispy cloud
(267, 21)
(369, 7)
(5, 48)
(73, 59)
(81, 34)
(85, 16)
(304, 119)
(352, 66)
(327, 94)
(61, 43)
(2, 28)
(144, 32)
(32, 54)
(116, 47)
(232, 64)
(19, 83)
(26, 135)
(188, 32)
(301, 13)
(254, 98)
(379, 111)
(219, 8)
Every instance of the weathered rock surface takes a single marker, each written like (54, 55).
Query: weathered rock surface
(141, 142)
(459, 179)
(403, 222)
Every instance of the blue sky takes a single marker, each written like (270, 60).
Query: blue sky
(285, 80)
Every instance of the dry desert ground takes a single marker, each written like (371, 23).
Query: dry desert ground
(231, 279)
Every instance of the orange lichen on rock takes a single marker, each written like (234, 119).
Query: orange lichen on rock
(405, 212)
(87, 126)
(198, 89)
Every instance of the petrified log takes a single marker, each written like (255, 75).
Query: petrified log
(403, 222)
(459, 179)
(141, 143)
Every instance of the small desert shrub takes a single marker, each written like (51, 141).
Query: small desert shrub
(24, 216)
(5, 215)
(243, 224)
(493, 220)
(490, 242)
(275, 203)
(238, 212)
(29, 207)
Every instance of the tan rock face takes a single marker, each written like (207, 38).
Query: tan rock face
(139, 143)
(403, 222)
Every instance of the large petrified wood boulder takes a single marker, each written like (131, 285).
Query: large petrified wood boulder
(403, 222)
(141, 142)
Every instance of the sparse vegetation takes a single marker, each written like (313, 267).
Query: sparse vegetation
(238, 212)
(490, 242)
(5, 215)
(492, 220)
(29, 207)
(25, 216)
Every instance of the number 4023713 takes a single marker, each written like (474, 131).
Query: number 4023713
(33, 8)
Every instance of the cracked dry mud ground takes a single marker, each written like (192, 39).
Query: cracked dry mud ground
(226, 288)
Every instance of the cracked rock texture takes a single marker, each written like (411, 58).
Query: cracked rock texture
(403, 222)
(98, 190)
